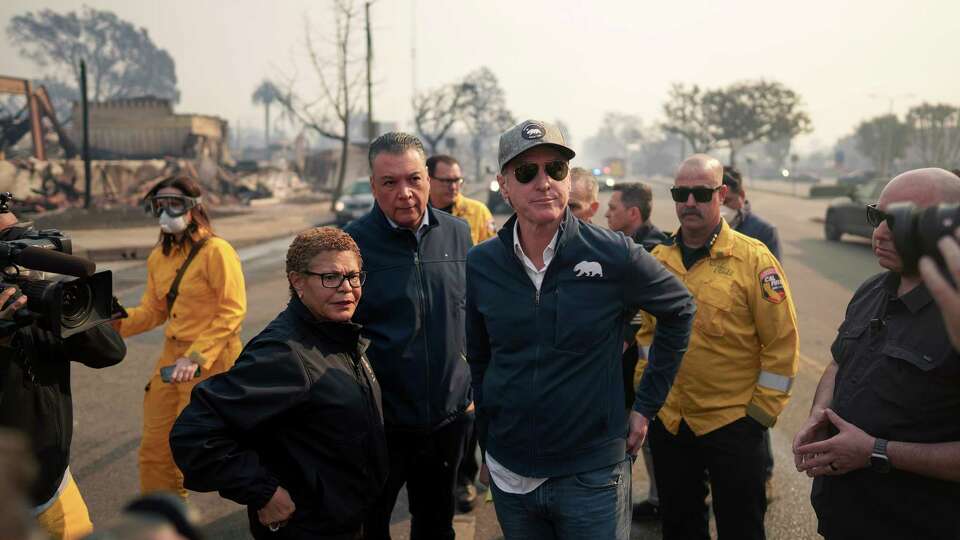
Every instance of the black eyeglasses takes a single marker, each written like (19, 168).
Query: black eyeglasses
(557, 169)
(333, 280)
(448, 181)
(701, 194)
(876, 216)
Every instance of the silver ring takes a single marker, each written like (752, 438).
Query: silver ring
(274, 527)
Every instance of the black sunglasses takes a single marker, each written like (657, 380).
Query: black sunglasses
(876, 216)
(333, 280)
(700, 194)
(557, 169)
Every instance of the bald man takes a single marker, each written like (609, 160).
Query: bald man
(584, 194)
(736, 376)
(883, 437)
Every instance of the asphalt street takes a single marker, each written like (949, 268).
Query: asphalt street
(108, 403)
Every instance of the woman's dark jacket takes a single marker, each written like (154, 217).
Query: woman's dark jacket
(300, 409)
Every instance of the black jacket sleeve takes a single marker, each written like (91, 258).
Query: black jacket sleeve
(97, 347)
(478, 352)
(267, 380)
(652, 288)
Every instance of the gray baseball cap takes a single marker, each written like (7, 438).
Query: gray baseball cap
(528, 134)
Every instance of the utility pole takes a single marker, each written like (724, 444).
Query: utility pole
(87, 181)
(370, 122)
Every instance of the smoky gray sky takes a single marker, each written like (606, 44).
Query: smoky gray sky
(563, 59)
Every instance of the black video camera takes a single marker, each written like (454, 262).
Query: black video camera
(79, 299)
(917, 230)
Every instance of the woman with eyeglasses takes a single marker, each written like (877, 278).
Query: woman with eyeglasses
(295, 430)
(202, 306)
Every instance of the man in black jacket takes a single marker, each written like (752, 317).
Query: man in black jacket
(629, 212)
(412, 312)
(35, 398)
(547, 303)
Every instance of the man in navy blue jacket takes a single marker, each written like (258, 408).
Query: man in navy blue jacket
(546, 305)
(412, 313)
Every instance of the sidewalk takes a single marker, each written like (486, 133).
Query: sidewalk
(249, 226)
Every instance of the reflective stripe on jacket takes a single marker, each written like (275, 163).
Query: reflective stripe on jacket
(744, 350)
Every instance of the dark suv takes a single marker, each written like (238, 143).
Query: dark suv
(849, 214)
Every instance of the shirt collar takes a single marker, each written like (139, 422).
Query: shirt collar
(548, 251)
(915, 300)
(423, 224)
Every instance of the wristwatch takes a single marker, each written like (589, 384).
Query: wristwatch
(879, 462)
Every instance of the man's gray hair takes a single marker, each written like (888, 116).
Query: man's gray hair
(580, 175)
(395, 142)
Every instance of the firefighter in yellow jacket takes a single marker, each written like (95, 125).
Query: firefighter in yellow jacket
(446, 179)
(203, 326)
(736, 376)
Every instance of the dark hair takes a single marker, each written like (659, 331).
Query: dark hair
(636, 195)
(956, 172)
(732, 178)
(310, 242)
(432, 162)
(394, 142)
(199, 227)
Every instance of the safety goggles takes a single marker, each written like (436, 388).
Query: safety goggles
(174, 205)
(557, 169)
(333, 280)
(701, 194)
(876, 216)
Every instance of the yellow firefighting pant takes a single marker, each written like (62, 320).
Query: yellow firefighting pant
(67, 518)
(162, 403)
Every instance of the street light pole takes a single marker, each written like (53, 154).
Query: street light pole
(87, 181)
(370, 122)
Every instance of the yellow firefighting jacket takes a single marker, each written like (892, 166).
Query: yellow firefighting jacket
(210, 306)
(477, 215)
(744, 350)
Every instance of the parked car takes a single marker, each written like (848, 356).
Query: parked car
(356, 202)
(855, 178)
(495, 201)
(849, 214)
(802, 177)
(606, 183)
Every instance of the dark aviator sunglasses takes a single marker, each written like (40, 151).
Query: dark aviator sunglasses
(701, 194)
(557, 169)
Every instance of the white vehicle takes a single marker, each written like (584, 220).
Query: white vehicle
(355, 202)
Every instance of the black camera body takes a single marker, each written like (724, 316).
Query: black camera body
(80, 298)
(917, 230)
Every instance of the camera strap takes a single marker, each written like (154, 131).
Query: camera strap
(175, 286)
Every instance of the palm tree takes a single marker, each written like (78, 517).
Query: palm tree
(265, 94)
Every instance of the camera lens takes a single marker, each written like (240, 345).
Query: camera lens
(76, 305)
(916, 231)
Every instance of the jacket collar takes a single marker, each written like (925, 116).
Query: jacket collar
(381, 220)
(346, 334)
(915, 300)
(569, 230)
(722, 247)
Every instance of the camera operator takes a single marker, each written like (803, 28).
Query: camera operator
(882, 440)
(35, 398)
(944, 293)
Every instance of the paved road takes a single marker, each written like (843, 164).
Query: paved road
(108, 403)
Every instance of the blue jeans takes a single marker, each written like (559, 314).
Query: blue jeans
(584, 506)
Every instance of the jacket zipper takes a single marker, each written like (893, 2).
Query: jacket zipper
(367, 391)
(423, 325)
